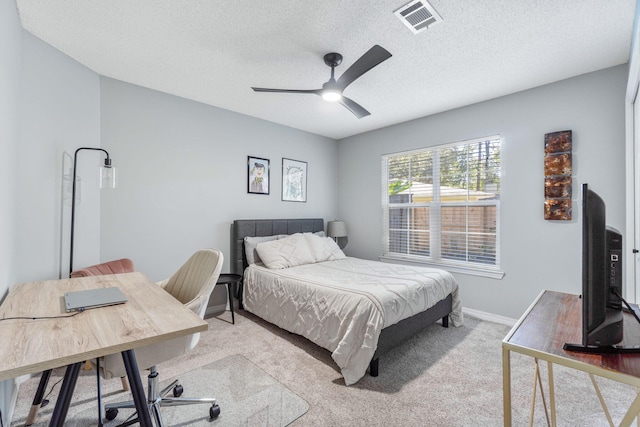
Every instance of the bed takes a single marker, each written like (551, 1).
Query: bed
(357, 309)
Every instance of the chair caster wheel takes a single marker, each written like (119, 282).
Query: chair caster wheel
(111, 414)
(177, 390)
(214, 411)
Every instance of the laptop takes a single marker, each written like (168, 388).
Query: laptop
(93, 298)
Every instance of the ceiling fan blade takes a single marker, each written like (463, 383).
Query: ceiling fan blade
(370, 59)
(264, 89)
(357, 109)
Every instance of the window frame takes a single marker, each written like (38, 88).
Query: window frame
(435, 218)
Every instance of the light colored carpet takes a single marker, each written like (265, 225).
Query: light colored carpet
(248, 395)
(441, 377)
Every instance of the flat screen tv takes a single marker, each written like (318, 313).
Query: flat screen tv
(602, 314)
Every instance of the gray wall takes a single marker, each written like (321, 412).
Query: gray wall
(182, 171)
(49, 104)
(10, 52)
(536, 254)
(60, 111)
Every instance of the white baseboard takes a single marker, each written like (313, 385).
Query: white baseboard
(483, 315)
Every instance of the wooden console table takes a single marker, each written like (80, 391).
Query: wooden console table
(553, 319)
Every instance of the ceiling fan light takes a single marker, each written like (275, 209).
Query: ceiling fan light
(331, 95)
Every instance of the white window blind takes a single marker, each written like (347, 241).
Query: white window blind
(442, 204)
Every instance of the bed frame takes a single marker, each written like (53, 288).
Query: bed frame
(390, 336)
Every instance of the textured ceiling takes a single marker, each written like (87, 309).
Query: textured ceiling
(214, 51)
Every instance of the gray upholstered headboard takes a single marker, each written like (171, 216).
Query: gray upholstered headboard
(241, 228)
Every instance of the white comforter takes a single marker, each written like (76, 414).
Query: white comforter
(343, 305)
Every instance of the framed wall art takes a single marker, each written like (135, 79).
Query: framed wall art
(294, 180)
(258, 171)
(558, 169)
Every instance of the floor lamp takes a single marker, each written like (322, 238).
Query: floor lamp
(107, 180)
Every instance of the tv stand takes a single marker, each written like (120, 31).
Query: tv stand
(612, 349)
(553, 319)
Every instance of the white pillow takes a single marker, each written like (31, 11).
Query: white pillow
(250, 244)
(324, 248)
(287, 252)
(298, 249)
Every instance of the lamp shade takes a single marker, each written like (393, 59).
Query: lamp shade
(108, 175)
(336, 229)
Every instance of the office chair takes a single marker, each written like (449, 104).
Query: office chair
(118, 266)
(192, 285)
(123, 265)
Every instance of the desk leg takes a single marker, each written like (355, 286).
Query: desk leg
(231, 290)
(601, 399)
(506, 386)
(130, 364)
(552, 394)
(37, 400)
(64, 398)
(537, 381)
(633, 411)
(99, 383)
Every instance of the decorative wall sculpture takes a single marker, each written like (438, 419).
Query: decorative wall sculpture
(557, 175)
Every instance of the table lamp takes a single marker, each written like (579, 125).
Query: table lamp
(338, 229)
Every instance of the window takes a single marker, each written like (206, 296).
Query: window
(441, 204)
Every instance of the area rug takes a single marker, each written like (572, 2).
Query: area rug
(247, 396)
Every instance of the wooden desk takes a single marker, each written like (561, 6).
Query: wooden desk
(553, 319)
(149, 316)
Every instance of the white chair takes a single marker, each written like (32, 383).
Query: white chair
(192, 285)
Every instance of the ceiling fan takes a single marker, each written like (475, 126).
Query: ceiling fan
(332, 89)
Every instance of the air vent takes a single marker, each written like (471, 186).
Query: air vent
(418, 15)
